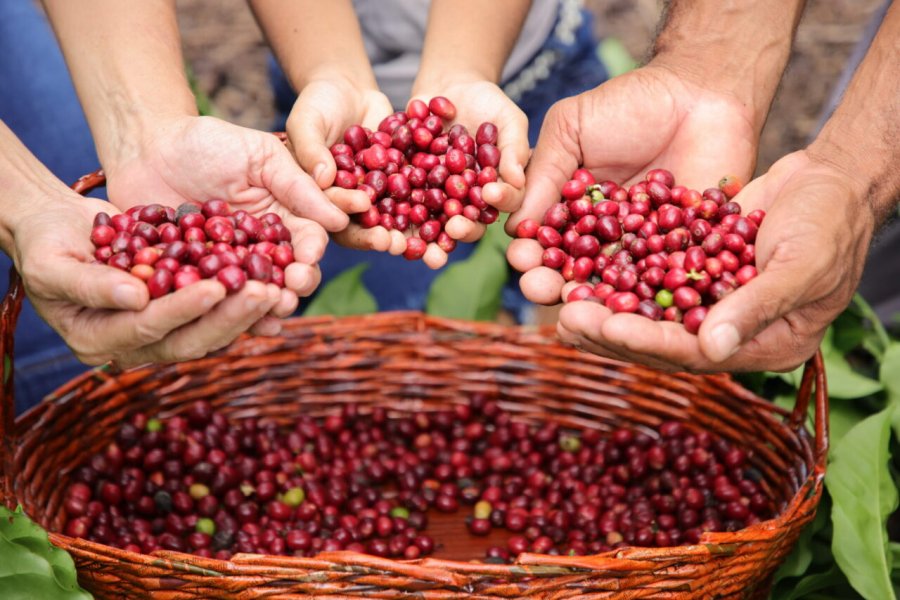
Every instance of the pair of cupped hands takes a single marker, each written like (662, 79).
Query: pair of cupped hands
(809, 249)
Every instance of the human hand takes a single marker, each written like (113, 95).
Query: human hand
(649, 118)
(106, 314)
(478, 101)
(201, 158)
(810, 252)
(325, 108)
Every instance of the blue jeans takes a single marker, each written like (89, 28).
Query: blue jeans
(401, 285)
(39, 104)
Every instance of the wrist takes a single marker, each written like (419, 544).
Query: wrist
(869, 171)
(356, 79)
(438, 81)
(745, 62)
(127, 140)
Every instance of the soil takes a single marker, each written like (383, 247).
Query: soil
(227, 53)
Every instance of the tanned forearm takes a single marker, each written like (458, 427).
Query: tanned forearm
(302, 34)
(126, 62)
(862, 137)
(458, 45)
(732, 46)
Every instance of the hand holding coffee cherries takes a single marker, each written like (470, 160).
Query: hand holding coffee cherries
(651, 117)
(324, 110)
(810, 251)
(478, 100)
(422, 179)
(195, 159)
(106, 314)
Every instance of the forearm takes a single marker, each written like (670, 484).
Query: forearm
(862, 137)
(731, 46)
(302, 34)
(126, 62)
(469, 38)
(24, 183)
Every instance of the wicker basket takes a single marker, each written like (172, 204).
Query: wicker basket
(411, 362)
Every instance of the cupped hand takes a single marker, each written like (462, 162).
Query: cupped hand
(810, 252)
(649, 118)
(325, 108)
(478, 101)
(106, 314)
(202, 158)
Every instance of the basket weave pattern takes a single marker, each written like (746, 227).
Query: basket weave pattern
(410, 362)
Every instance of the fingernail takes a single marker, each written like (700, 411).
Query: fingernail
(252, 303)
(207, 303)
(318, 170)
(725, 341)
(127, 296)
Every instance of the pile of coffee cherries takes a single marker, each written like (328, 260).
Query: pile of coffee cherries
(656, 249)
(201, 483)
(418, 174)
(169, 249)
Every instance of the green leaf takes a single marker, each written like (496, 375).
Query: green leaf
(866, 311)
(890, 372)
(31, 567)
(344, 295)
(832, 582)
(843, 380)
(843, 416)
(863, 495)
(472, 289)
(615, 57)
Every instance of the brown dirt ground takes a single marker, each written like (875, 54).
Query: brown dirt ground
(227, 53)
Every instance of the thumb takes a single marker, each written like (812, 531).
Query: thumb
(297, 192)
(556, 156)
(750, 309)
(306, 129)
(514, 149)
(92, 285)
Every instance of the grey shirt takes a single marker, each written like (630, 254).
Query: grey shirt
(394, 31)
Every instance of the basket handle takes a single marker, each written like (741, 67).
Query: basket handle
(9, 314)
(813, 374)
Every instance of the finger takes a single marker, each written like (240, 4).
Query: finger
(503, 196)
(555, 158)
(462, 229)
(514, 149)
(525, 254)
(112, 332)
(597, 347)
(349, 201)
(85, 284)
(286, 305)
(567, 289)
(660, 344)
(222, 325)
(354, 236)
(738, 317)
(434, 257)
(308, 238)
(267, 327)
(302, 280)
(307, 129)
(398, 243)
(298, 192)
(542, 285)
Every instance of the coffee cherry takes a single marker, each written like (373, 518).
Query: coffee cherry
(672, 248)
